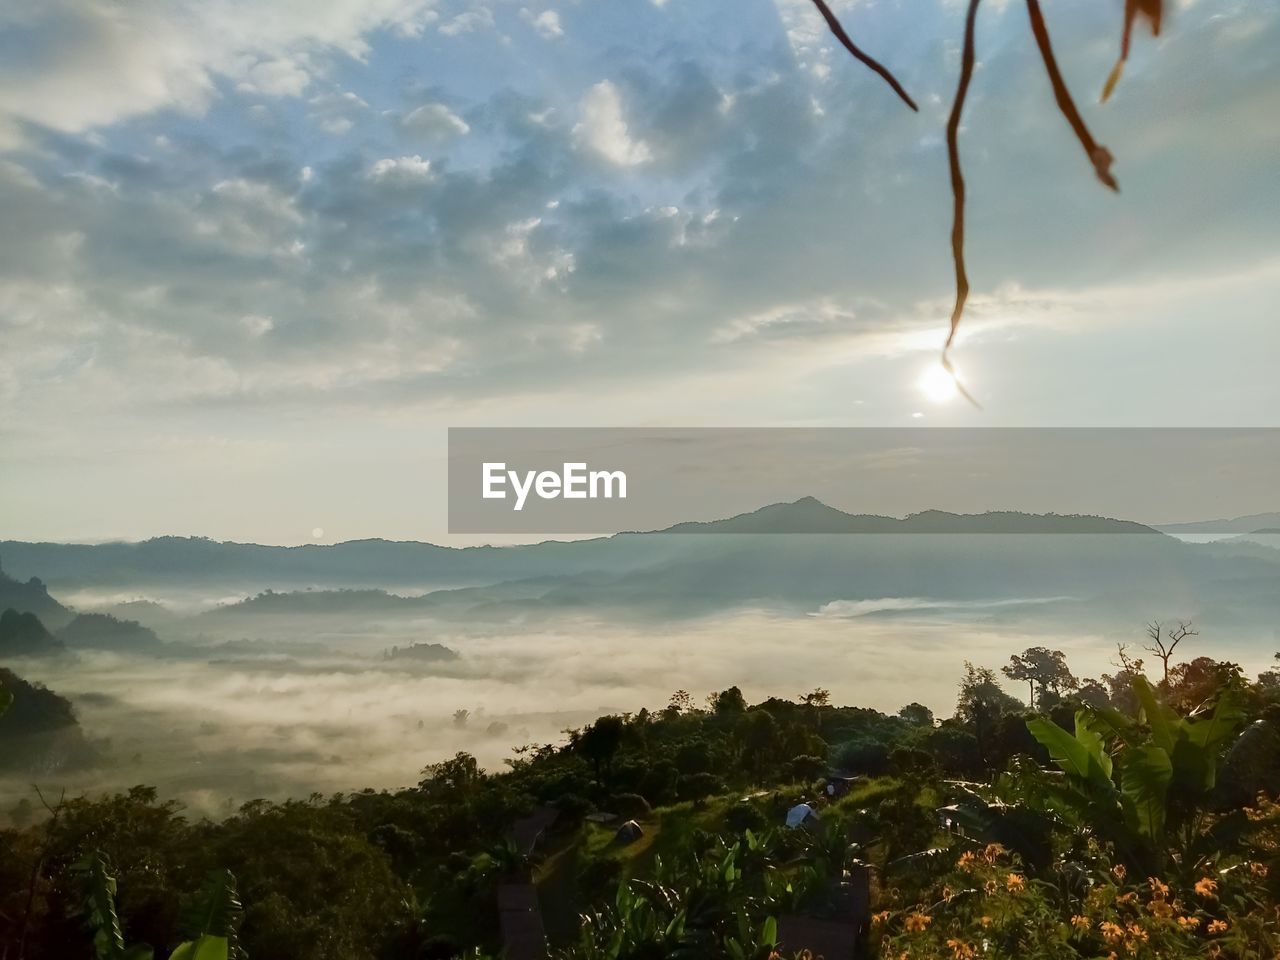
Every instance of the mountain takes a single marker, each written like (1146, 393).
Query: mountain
(697, 574)
(1254, 523)
(23, 635)
(809, 515)
(39, 732)
(691, 570)
(248, 568)
(32, 597)
(101, 631)
(390, 564)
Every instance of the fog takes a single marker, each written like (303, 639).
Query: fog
(301, 711)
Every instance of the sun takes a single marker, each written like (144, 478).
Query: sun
(317, 533)
(938, 384)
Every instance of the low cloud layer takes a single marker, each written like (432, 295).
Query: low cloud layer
(216, 733)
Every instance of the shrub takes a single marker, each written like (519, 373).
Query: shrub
(699, 786)
(630, 806)
(744, 816)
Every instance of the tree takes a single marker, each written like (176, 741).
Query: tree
(817, 697)
(917, 714)
(1120, 684)
(599, 743)
(1165, 640)
(1093, 693)
(728, 702)
(453, 778)
(1268, 680)
(681, 702)
(982, 702)
(1196, 681)
(1040, 665)
(760, 740)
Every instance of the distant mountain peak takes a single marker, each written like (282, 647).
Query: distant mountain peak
(811, 515)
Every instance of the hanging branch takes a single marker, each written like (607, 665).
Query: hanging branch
(1153, 10)
(957, 192)
(1098, 155)
(858, 54)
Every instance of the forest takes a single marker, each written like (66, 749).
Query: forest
(1133, 814)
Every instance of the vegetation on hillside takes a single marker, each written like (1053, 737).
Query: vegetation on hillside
(1121, 816)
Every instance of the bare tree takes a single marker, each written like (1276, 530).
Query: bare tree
(1165, 641)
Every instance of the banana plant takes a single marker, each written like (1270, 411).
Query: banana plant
(1142, 782)
(108, 937)
(218, 917)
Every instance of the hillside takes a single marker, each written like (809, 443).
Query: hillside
(39, 732)
(31, 597)
(23, 635)
(101, 631)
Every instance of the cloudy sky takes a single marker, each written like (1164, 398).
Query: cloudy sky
(257, 255)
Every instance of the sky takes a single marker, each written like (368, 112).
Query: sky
(256, 256)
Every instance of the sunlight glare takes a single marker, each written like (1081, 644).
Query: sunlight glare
(938, 384)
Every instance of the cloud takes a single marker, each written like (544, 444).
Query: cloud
(687, 238)
(336, 112)
(435, 122)
(604, 131)
(546, 23)
(401, 170)
(158, 53)
(276, 78)
(469, 21)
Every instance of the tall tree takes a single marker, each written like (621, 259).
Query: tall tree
(1044, 667)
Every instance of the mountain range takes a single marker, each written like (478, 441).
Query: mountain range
(690, 569)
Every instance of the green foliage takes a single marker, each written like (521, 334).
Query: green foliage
(101, 915)
(218, 915)
(1064, 802)
(1137, 779)
(720, 904)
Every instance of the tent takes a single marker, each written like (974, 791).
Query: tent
(629, 832)
(800, 814)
